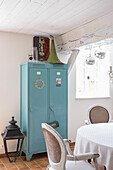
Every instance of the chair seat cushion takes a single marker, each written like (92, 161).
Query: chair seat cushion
(78, 165)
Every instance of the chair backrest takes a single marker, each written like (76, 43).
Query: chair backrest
(55, 147)
(98, 114)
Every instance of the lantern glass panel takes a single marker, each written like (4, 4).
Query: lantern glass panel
(12, 145)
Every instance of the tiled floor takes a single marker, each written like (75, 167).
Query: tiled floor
(38, 162)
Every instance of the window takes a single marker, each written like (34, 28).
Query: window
(92, 79)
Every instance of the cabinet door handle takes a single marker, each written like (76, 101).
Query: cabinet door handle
(51, 108)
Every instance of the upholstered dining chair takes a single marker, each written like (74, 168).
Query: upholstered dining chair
(98, 114)
(62, 159)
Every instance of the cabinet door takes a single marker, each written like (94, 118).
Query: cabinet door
(37, 109)
(58, 99)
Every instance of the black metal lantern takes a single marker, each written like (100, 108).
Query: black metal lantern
(13, 132)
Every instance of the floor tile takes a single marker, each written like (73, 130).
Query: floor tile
(6, 160)
(24, 168)
(12, 168)
(37, 168)
(21, 165)
(9, 165)
(23, 158)
(32, 165)
(2, 166)
(42, 163)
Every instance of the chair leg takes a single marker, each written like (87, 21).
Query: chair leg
(105, 168)
(96, 164)
(89, 161)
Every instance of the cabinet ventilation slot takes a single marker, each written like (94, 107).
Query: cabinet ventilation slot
(39, 65)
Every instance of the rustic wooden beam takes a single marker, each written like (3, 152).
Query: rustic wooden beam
(94, 31)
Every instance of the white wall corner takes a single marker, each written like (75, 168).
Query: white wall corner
(72, 59)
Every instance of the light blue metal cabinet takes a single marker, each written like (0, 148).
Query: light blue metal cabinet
(44, 98)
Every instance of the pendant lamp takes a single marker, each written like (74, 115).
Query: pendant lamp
(90, 60)
(53, 55)
(100, 55)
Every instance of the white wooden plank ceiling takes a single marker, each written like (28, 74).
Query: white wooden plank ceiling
(56, 17)
(50, 16)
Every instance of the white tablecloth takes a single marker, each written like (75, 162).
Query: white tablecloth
(96, 138)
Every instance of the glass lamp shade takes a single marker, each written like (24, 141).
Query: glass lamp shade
(100, 55)
(90, 60)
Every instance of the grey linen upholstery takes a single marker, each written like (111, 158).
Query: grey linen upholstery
(58, 156)
(98, 114)
(53, 146)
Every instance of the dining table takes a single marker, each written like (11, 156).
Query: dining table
(96, 138)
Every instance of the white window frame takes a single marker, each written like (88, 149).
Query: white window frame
(90, 88)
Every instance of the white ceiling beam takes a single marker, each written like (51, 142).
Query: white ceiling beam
(94, 31)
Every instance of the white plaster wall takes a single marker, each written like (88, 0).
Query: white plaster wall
(14, 50)
(77, 108)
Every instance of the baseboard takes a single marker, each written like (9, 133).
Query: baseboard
(3, 155)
